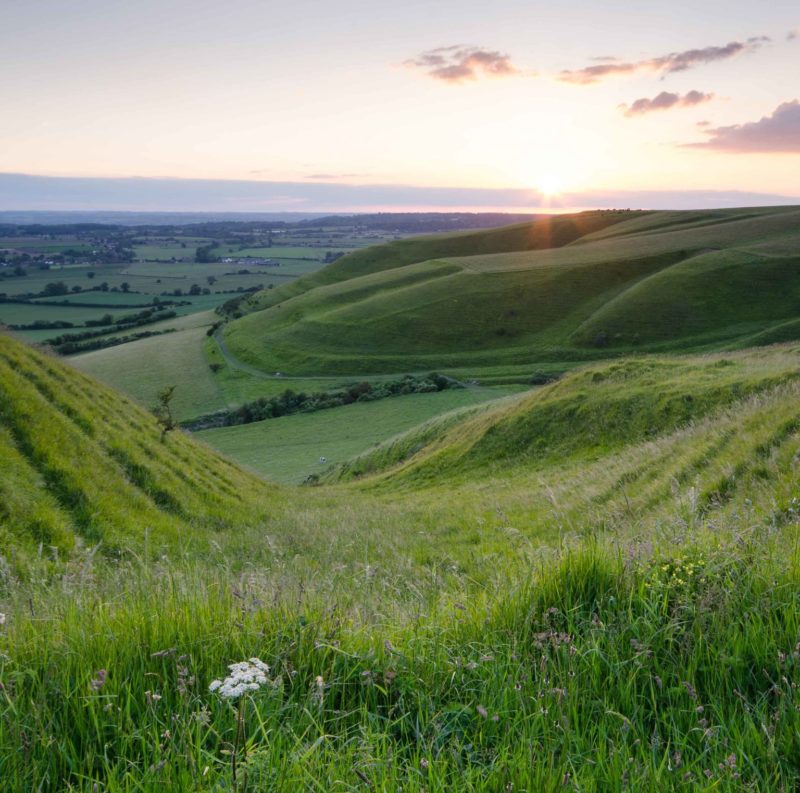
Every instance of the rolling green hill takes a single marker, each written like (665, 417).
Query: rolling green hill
(83, 465)
(595, 413)
(662, 281)
(547, 231)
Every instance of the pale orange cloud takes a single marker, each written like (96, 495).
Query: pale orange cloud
(458, 63)
(664, 101)
(664, 64)
(776, 133)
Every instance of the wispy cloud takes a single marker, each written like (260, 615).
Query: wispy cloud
(777, 133)
(663, 64)
(459, 63)
(664, 101)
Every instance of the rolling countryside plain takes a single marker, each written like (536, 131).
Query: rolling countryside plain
(510, 508)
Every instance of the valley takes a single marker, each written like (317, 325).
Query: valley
(567, 560)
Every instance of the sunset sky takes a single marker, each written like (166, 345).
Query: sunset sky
(550, 103)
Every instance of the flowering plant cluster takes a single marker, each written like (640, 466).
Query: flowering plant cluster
(245, 676)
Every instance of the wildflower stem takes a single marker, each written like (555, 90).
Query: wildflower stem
(239, 737)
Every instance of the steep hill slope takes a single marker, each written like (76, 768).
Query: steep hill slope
(600, 413)
(661, 281)
(80, 463)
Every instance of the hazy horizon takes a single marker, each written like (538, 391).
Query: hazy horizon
(22, 192)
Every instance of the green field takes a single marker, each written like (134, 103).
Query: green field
(164, 253)
(276, 252)
(102, 298)
(289, 449)
(38, 245)
(143, 368)
(145, 280)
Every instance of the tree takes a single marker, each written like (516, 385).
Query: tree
(211, 280)
(204, 254)
(195, 289)
(90, 274)
(163, 411)
(56, 288)
(125, 286)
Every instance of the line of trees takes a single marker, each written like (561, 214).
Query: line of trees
(290, 402)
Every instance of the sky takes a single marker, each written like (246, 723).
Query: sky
(358, 106)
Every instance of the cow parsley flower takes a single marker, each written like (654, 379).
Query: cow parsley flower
(245, 676)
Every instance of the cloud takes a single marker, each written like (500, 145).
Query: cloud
(664, 64)
(458, 63)
(664, 101)
(778, 133)
(793, 34)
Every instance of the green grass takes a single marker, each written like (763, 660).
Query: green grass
(659, 281)
(547, 231)
(276, 252)
(143, 368)
(165, 252)
(27, 313)
(105, 298)
(289, 449)
(593, 586)
(84, 464)
(36, 279)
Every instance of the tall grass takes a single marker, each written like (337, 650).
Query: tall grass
(603, 669)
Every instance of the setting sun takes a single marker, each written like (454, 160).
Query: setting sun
(550, 185)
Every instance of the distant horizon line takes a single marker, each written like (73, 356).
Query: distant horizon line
(33, 193)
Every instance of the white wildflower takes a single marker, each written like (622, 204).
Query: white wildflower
(244, 676)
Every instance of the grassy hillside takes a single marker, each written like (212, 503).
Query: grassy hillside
(84, 465)
(547, 231)
(661, 281)
(594, 586)
(598, 411)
